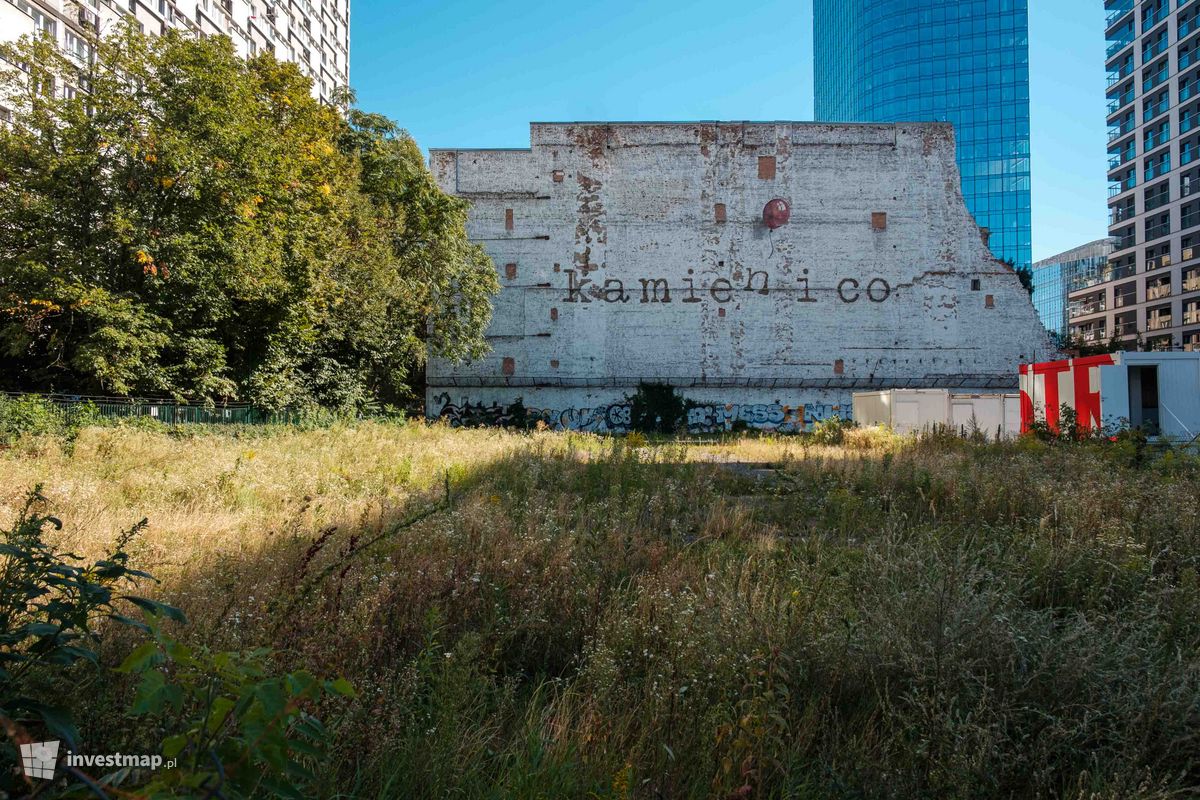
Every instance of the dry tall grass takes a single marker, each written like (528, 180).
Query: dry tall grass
(587, 618)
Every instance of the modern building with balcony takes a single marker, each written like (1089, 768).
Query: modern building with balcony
(314, 34)
(933, 60)
(1152, 291)
(1056, 277)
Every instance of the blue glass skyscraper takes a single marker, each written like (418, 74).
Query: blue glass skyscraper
(959, 61)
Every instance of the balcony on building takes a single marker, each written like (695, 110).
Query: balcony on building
(1158, 226)
(1189, 23)
(1159, 318)
(1156, 106)
(1120, 36)
(1090, 333)
(1125, 238)
(1119, 157)
(1120, 96)
(1117, 10)
(1154, 12)
(1191, 280)
(1125, 295)
(1122, 126)
(1090, 304)
(1125, 324)
(1191, 312)
(1158, 288)
(1157, 165)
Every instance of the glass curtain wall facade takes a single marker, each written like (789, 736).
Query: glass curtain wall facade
(1056, 277)
(959, 61)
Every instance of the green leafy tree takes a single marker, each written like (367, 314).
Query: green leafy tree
(176, 219)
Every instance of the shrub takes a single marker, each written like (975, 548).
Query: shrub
(831, 431)
(657, 408)
(50, 606)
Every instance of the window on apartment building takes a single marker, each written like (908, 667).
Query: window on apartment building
(1187, 22)
(1156, 74)
(1188, 55)
(1153, 45)
(1189, 86)
(1189, 182)
(1121, 267)
(1153, 12)
(1158, 225)
(1125, 295)
(1158, 256)
(1189, 149)
(1156, 135)
(1191, 341)
(1189, 247)
(1155, 105)
(1189, 118)
(1157, 165)
(75, 46)
(1126, 237)
(1191, 312)
(1159, 317)
(41, 20)
(1158, 288)
(1155, 196)
(1189, 215)
(1125, 324)
(1191, 280)
(1159, 344)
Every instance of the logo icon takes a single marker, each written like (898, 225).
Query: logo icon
(39, 759)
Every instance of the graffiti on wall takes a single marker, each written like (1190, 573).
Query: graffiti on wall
(617, 417)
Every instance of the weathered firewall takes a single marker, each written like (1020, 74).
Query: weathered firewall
(638, 252)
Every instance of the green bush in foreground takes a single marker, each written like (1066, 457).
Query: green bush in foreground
(232, 729)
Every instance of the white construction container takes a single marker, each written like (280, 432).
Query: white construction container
(914, 410)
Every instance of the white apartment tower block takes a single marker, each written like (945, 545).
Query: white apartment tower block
(315, 34)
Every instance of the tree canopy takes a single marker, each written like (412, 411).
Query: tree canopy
(177, 220)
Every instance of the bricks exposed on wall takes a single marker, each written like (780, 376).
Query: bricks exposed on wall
(508, 219)
(510, 271)
(720, 312)
(647, 219)
(879, 220)
(989, 302)
(557, 176)
(554, 363)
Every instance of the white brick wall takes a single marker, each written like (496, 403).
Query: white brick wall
(846, 307)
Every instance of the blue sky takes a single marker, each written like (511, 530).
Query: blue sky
(474, 74)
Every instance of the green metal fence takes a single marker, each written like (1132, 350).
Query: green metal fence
(74, 407)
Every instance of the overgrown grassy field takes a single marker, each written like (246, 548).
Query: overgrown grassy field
(591, 618)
